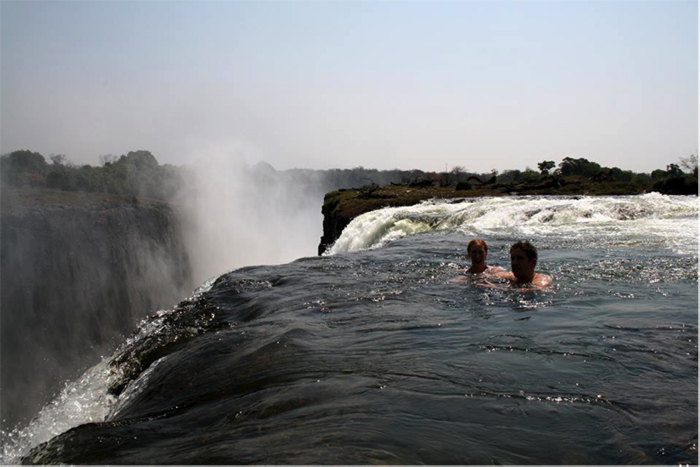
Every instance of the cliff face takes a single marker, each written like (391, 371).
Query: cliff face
(77, 273)
(333, 221)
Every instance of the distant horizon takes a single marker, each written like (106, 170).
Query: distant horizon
(263, 162)
(556, 160)
(426, 85)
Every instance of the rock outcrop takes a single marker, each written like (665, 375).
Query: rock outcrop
(79, 271)
(342, 206)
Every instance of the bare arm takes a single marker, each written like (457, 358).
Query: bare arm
(499, 275)
(539, 282)
(458, 280)
(492, 285)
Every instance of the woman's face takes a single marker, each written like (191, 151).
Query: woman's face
(477, 253)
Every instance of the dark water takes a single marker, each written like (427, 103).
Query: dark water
(372, 357)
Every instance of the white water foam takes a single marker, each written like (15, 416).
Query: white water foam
(82, 401)
(659, 219)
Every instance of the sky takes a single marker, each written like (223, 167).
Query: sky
(322, 84)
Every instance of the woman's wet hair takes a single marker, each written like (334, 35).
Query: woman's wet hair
(477, 241)
(527, 247)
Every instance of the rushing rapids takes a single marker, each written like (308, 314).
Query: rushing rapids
(370, 355)
(638, 218)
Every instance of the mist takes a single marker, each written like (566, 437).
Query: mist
(79, 273)
(80, 270)
(236, 215)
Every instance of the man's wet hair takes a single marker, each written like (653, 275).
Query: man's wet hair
(525, 246)
(477, 241)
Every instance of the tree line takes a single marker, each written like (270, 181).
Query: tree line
(138, 173)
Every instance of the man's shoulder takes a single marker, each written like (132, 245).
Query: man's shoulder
(542, 280)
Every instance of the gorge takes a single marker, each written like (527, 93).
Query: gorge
(79, 271)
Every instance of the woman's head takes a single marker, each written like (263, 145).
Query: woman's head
(477, 250)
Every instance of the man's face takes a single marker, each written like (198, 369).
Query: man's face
(520, 264)
(477, 253)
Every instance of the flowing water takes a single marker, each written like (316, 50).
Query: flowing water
(371, 355)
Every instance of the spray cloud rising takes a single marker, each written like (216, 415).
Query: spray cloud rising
(237, 215)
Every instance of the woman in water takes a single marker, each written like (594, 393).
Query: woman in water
(478, 251)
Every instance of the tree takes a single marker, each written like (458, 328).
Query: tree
(546, 166)
(106, 159)
(23, 167)
(581, 166)
(140, 159)
(529, 175)
(620, 175)
(25, 161)
(690, 164)
(58, 159)
(658, 174)
(62, 178)
(672, 170)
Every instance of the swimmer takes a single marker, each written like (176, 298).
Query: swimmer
(523, 259)
(478, 250)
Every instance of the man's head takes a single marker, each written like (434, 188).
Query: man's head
(523, 259)
(477, 250)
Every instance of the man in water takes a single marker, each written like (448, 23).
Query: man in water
(523, 259)
(478, 251)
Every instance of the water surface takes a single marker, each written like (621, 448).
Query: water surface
(371, 355)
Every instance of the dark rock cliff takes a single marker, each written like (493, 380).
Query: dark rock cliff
(340, 207)
(333, 221)
(78, 272)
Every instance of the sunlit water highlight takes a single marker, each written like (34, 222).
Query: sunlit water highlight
(373, 356)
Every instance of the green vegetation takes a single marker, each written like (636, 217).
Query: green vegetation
(546, 166)
(138, 173)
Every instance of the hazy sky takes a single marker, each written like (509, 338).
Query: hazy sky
(379, 84)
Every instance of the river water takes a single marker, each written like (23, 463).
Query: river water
(370, 355)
